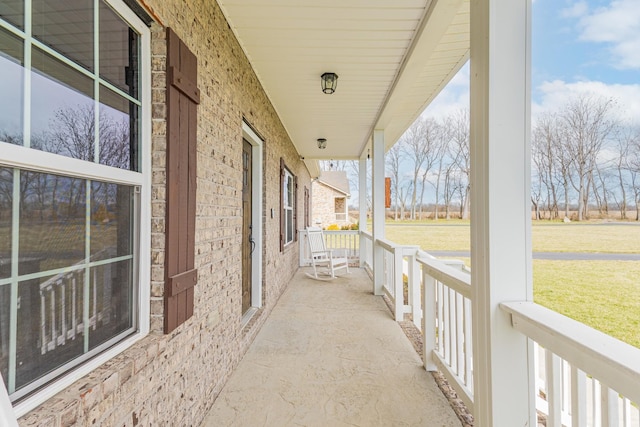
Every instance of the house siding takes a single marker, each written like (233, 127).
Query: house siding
(173, 379)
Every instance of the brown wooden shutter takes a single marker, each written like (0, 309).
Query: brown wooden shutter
(282, 212)
(183, 96)
(387, 193)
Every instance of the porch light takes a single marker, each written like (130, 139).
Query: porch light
(329, 82)
(322, 143)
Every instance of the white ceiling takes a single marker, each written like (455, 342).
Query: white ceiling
(392, 57)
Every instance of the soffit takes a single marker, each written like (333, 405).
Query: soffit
(392, 57)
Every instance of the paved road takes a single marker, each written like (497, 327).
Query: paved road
(563, 256)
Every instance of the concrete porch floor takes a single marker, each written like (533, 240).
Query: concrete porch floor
(330, 354)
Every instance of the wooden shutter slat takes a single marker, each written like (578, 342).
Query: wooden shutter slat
(183, 281)
(183, 84)
(182, 99)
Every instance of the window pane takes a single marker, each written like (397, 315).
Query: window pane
(62, 116)
(11, 76)
(289, 226)
(66, 26)
(289, 191)
(50, 324)
(118, 51)
(52, 222)
(6, 207)
(110, 300)
(13, 11)
(111, 221)
(118, 131)
(5, 298)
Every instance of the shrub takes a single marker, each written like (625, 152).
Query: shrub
(333, 227)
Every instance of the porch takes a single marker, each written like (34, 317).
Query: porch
(331, 354)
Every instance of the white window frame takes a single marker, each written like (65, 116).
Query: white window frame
(14, 156)
(288, 205)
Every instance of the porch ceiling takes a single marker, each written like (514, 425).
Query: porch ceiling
(392, 57)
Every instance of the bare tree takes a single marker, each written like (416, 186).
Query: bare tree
(434, 149)
(459, 128)
(587, 125)
(394, 159)
(632, 165)
(545, 140)
(420, 146)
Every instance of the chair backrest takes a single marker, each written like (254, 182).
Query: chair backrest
(316, 241)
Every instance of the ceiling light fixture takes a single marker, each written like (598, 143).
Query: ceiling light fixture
(329, 82)
(322, 143)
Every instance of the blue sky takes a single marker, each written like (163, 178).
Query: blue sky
(584, 46)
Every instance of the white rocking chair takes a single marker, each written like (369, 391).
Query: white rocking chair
(323, 257)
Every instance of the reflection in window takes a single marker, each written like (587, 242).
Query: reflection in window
(55, 325)
(52, 222)
(6, 208)
(62, 116)
(110, 300)
(13, 11)
(118, 52)
(50, 324)
(111, 207)
(11, 76)
(118, 131)
(66, 26)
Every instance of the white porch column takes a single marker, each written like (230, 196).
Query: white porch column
(362, 203)
(377, 209)
(500, 209)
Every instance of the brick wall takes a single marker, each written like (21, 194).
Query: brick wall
(172, 380)
(324, 205)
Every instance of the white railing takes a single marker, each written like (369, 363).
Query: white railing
(394, 259)
(583, 377)
(446, 326)
(343, 242)
(62, 317)
(366, 250)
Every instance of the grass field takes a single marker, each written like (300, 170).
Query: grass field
(602, 294)
(546, 237)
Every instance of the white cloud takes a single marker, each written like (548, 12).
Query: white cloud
(576, 10)
(617, 25)
(555, 94)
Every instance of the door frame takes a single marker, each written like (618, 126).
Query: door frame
(257, 148)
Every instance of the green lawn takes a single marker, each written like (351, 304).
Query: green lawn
(602, 294)
(546, 237)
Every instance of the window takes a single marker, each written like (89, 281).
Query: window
(288, 194)
(73, 184)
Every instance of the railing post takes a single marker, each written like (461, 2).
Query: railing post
(301, 249)
(413, 275)
(500, 183)
(377, 187)
(398, 284)
(429, 321)
(578, 395)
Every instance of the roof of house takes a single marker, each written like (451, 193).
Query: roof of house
(335, 179)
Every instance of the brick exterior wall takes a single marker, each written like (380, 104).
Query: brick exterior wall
(172, 380)
(324, 205)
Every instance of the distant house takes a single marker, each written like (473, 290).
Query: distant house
(330, 193)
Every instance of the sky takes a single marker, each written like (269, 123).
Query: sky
(585, 46)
